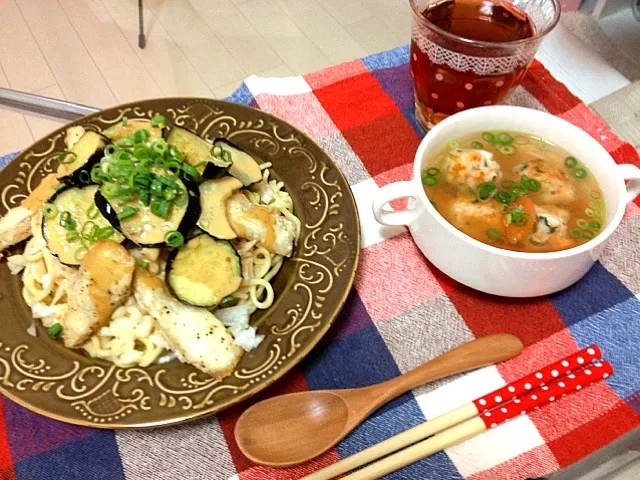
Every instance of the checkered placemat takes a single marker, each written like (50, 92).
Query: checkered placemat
(401, 313)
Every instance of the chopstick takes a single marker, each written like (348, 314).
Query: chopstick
(470, 428)
(482, 404)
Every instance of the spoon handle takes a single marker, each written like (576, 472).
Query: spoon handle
(477, 353)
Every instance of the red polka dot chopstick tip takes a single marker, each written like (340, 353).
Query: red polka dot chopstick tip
(531, 400)
(538, 378)
(529, 392)
(558, 388)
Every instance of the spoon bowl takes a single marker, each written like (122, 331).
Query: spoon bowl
(325, 416)
(291, 429)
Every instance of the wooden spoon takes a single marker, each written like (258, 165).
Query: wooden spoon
(291, 429)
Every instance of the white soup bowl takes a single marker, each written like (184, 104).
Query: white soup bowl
(487, 268)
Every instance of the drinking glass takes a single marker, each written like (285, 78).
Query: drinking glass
(452, 73)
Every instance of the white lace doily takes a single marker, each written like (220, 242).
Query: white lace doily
(461, 62)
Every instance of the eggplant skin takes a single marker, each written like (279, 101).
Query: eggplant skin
(73, 179)
(44, 223)
(212, 171)
(189, 220)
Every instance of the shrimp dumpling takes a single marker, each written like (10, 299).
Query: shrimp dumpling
(471, 167)
(557, 187)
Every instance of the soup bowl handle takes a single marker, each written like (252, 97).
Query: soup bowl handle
(632, 174)
(395, 191)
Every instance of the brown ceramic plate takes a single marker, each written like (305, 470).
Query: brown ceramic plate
(44, 376)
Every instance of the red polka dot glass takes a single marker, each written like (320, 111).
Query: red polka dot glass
(470, 53)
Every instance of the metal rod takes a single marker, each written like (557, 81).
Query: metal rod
(44, 105)
(142, 41)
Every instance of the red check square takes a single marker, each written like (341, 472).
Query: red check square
(336, 73)
(539, 460)
(302, 111)
(355, 101)
(6, 464)
(553, 95)
(528, 319)
(599, 432)
(393, 277)
(384, 144)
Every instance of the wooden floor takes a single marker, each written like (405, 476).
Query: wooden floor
(86, 51)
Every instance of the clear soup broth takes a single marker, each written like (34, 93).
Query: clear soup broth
(515, 191)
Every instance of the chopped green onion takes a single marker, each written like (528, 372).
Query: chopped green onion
(226, 156)
(174, 239)
(144, 264)
(486, 191)
(158, 121)
(531, 184)
(89, 230)
(182, 199)
(105, 232)
(503, 208)
(506, 149)
(588, 234)
(477, 145)
(109, 190)
(65, 158)
(204, 224)
(191, 171)
(504, 139)
(520, 140)
(160, 208)
(571, 162)
(488, 137)
(429, 180)
(170, 194)
(54, 330)
(175, 153)
(59, 187)
(80, 253)
(597, 204)
(110, 150)
(140, 151)
(454, 144)
(85, 177)
(125, 121)
(67, 221)
(49, 211)
(594, 225)
(125, 142)
(519, 190)
(228, 301)
(96, 174)
(582, 223)
(508, 184)
(493, 234)
(596, 194)
(168, 181)
(519, 217)
(72, 236)
(160, 147)
(433, 171)
(127, 212)
(589, 212)
(579, 172)
(576, 233)
(216, 151)
(508, 219)
(141, 136)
